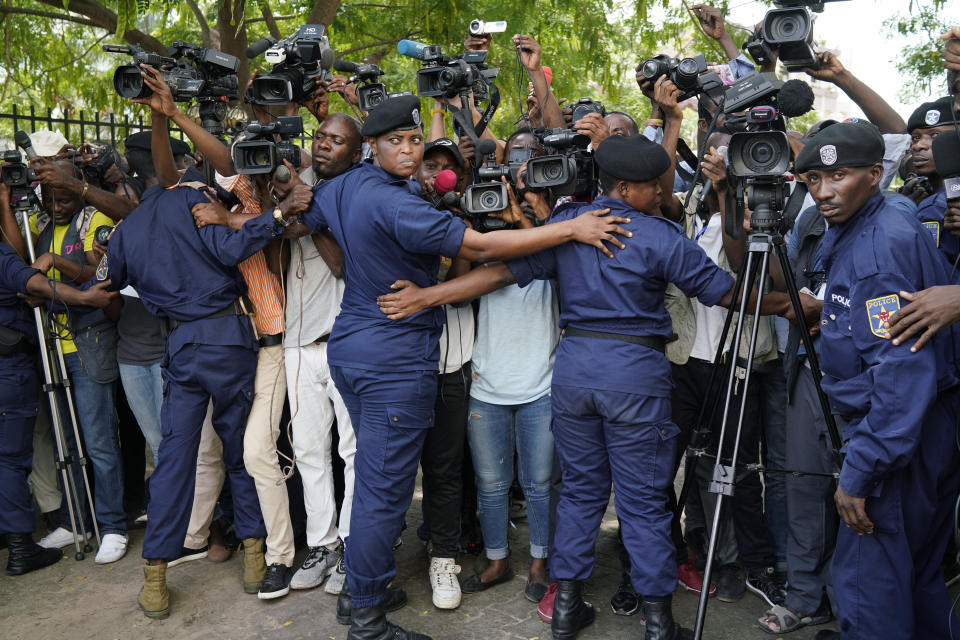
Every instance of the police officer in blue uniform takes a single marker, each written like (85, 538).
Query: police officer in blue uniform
(927, 122)
(189, 277)
(899, 478)
(387, 371)
(19, 394)
(615, 427)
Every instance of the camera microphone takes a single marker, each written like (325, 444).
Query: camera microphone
(795, 99)
(282, 174)
(946, 155)
(486, 147)
(23, 141)
(345, 65)
(260, 46)
(413, 49)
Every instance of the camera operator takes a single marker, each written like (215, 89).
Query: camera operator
(899, 437)
(20, 389)
(530, 57)
(56, 176)
(64, 243)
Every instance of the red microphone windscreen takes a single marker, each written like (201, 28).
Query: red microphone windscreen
(445, 181)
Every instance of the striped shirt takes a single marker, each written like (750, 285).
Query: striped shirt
(264, 287)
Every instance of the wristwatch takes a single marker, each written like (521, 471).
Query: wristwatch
(278, 217)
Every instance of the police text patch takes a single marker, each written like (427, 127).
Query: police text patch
(102, 269)
(934, 229)
(879, 311)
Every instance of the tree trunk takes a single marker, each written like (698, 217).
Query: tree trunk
(107, 19)
(323, 12)
(233, 36)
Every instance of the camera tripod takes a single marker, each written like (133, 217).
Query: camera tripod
(55, 378)
(755, 269)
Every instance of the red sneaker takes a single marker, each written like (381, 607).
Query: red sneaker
(545, 608)
(692, 580)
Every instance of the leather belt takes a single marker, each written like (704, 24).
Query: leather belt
(654, 342)
(271, 340)
(322, 339)
(239, 307)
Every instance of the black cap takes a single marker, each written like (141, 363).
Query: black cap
(946, 154)
(445, 144)
(633, 158)
(844, 144)
(395, 113)
(932, 114)
(141, 140)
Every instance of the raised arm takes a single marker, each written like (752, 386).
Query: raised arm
(874, 107)
(530, 57)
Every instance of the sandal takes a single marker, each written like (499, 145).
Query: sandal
(788, 620)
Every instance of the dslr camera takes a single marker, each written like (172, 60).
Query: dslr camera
(369, 93)
(569, 170)
(300, 62)
(688, 74)
(256, 152)
(583, 106)
(107, 156)
(14, 173)
(212, 74)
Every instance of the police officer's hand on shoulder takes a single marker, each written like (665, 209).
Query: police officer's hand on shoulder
(929, 311)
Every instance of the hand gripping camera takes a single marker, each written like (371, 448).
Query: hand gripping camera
(300, 62)
(212, 74)
(689, 74)
(256, 152)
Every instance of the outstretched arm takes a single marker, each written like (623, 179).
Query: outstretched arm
(409, 299)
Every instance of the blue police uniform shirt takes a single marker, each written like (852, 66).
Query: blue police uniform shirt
(182, 272)
(14, 312)
(883, 390)
(387, 233)
(930, 212)
(623, 294)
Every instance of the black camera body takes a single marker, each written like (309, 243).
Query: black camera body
(757, 160)
(102, 234)
(213, 73)
(15, 173)
(685, 73)
(257, 153)
(583, 106)
(751, 90)
(444, 77)
(300, 62)
(481, 198)
(107, 157)
(568, 171)
(369, 93)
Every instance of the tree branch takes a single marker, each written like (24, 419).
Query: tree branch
(381, 43)
(262, 19)
(104, 18)
(323, 12)
(47, 14)
(271, 22)
(202, 21)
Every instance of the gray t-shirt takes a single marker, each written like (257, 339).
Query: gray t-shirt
(141, 334)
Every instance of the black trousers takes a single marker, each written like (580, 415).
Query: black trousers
(442, 463)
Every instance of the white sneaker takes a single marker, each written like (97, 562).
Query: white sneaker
(59, 538)
(113, 546)
(444, 582)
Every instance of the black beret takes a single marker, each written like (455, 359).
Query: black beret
(142, 139)
(633, 158)
(946, 155)
(932, 114)
(397, 112)
(444, 144)
(844, 144)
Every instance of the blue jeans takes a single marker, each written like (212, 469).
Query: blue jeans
(144, 388)
(98, 424)
(495, 432)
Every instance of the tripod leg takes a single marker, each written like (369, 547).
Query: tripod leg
(82, 458)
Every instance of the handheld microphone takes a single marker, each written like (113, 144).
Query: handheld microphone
(346, 66)
(23, 141)
(260, 46)
(414, 49)
(444, 185)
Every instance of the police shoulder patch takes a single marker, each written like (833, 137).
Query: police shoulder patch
(102, 269)
(934, 228)
(879, 311)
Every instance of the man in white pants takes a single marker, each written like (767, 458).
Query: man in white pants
(314, 288)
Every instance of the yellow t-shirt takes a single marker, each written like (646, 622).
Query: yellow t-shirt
(59, 231)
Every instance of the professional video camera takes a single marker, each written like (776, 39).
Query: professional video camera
(369, 93)
(256, 152)
(569, 170)
(789, 31)
(757, 160)
(300, 62)
(446, 77)
(487, 194)
(689, 74)
(206, 73)
(106, 157)
(15, 173)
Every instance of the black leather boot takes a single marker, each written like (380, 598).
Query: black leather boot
(370, 623)
(660, 622)
(570, 612)
(395, 598)
(26, 555)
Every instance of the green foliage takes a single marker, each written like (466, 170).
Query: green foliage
(922, 61)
